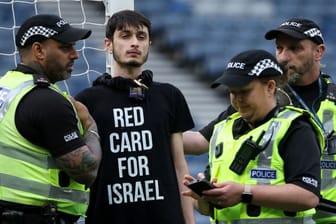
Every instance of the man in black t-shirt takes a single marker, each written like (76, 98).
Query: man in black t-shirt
(140, 122)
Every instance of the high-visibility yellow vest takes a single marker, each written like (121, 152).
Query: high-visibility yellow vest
(28, 173)
(327, 115)
(266, 169)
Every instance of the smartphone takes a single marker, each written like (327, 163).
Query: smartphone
(199, 186)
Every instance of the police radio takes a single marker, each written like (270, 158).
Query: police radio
(248, 151)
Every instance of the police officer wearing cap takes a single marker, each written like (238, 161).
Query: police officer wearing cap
(259, 173)
(299, 48)
(49, 144)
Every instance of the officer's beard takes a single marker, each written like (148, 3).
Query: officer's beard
(291, 79)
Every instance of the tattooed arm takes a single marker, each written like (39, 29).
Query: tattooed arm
(82, 164)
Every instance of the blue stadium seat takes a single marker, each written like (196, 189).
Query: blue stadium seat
(195, 51)
(177, 36)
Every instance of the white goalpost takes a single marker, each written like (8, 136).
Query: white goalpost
(90, 14)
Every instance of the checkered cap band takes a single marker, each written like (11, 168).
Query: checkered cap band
(313, 32)
(37, 30)
(263, 65)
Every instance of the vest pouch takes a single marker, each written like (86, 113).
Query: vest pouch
(253, 210)
(63, 179)
(290, 214)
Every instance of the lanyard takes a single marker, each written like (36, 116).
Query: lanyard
(304, 105)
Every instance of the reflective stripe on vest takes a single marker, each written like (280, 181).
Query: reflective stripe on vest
(212, 150)
(327, 114)
(328, 163)
(301, 220)
(6, 100)
(274, 130)
(324, 217)
(29, 174)
(34, 187)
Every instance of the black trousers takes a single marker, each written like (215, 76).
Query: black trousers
(15, 217)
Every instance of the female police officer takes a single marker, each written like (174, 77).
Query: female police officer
(257, 165)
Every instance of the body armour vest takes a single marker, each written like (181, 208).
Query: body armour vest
(30, 176)
(327, 116)
(266, 169)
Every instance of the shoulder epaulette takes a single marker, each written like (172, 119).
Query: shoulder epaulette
(331, 87)
(331, 92)
(40, 80)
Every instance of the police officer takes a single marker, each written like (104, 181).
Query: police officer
(49, 153)
(299, 48)
(259, 171)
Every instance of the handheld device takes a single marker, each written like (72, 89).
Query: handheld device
(199, 186)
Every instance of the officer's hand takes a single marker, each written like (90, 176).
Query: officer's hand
(225, 194)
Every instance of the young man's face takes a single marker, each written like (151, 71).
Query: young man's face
(130, 46)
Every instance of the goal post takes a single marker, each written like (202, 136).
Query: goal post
(91, 14)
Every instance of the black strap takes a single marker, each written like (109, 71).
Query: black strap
(331, 92)
(326, 205)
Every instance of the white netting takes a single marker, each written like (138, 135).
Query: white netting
(79, 13)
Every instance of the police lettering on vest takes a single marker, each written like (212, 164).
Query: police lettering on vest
(328, 164)
(263, 174)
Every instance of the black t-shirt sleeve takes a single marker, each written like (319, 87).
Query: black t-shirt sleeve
(208, 129)
(182, 117)
(301, 153)
(47, 119)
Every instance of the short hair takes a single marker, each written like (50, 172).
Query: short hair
(121, 19)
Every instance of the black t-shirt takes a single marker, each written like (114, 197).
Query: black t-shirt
(45, 118)
(311, 95)
(137, 181)
(208, 129)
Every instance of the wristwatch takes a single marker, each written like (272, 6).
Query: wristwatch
(247, 195)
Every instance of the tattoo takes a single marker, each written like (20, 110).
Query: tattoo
(80, 164)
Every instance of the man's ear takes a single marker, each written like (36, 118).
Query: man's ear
(108, 45)
(319, 52)
(37, 50)
(271, 86)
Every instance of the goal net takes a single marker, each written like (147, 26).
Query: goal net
(79, 13)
